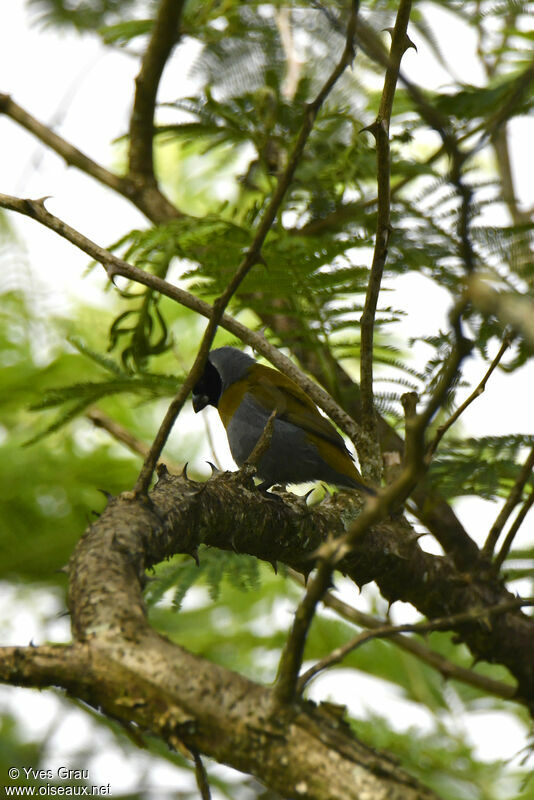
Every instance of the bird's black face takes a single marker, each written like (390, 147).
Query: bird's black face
(208, 389)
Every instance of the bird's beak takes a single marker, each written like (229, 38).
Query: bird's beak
(200, 401)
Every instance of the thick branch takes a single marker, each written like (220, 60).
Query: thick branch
(135, 674)
(182, 518)
(185, 699)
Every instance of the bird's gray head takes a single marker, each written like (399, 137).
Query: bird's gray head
(225, 365)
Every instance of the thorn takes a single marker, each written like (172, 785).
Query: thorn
(194, 556)
(162, 471)
(64, 569)
(214, 469)
(417, 536)
(372, 128)
(274, 565)
(184, 471)
(112, 272)
(106, 494)
(407, 43)
(42, 200)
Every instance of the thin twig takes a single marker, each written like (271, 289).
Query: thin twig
(122, 435)
(201, 776)
(285, 687)
(442, 430)
(71, 155)
(148, 200)
(380, 130)
(439, 624)
(293, 65)
(511, 501)
(446, 668)
(262, 445)
(440, 123)
(114, 266)
(252, 257)
(514, 528)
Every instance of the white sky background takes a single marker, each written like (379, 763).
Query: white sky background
(85, 93)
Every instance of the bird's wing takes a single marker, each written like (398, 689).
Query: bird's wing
(273, 390)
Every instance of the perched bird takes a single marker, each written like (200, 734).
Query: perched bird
(304, 446)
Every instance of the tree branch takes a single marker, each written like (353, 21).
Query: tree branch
(123, 435)
(285, 687)
(442, 430)
(511, 501)
(514, 528)
(446, 668)
(178, 519)
(371, 464)
(72, 156)
(388, 631)
(155, 207)
(414, 466)
(187, 701)
(165, 35)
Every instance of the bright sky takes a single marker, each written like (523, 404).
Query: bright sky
(85, 94)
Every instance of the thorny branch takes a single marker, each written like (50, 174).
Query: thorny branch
(420, 651)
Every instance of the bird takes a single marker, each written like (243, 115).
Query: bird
(304, 445)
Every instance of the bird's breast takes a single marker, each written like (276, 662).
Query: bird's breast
(230, 401)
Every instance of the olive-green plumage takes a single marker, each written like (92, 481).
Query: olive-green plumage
(304, 446)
